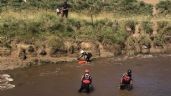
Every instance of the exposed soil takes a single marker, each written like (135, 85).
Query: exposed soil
(153, 2)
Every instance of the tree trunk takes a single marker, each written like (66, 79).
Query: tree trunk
(92, 20)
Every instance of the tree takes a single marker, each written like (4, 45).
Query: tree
(93, 9)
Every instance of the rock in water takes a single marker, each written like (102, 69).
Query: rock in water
(5, 80)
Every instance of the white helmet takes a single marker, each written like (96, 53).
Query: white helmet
(82, 51)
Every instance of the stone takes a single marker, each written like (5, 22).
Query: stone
(43, 52)
(31, 49)
(22, 54)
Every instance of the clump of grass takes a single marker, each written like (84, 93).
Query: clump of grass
(145, 40)
(159, 40)
(147, 27)
(130, 26)
(164, 7)
(164, 27)
(55, 42)
(121, 6)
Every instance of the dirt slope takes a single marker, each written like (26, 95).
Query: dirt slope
(153, 2)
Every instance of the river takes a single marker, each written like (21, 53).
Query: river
(151, 77)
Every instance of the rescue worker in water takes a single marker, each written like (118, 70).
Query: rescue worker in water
(126, 80)
(85, 55)
(86, 81)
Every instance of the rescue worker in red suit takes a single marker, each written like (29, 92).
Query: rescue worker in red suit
(86, 81)
(126, 79)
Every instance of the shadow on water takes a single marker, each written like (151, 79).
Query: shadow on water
(149, 78)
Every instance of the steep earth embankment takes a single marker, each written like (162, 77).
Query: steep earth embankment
(17, 53)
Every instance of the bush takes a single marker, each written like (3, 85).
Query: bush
(147, 27)
(132, 7)
(120, 37)
(105, 32)
(164, 7)
(159, 40)
(55, 42)
(145, 40)
(119, 6)
(163, 27)
(56, 45)
(130, 25)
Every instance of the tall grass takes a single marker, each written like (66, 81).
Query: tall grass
(41, 24)
(121, 6)
(164, 7)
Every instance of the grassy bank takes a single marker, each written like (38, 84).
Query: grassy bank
(36, 24)
(32, 29)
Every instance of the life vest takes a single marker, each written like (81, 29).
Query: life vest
(86, 79)
(126, 78)
(82, 62)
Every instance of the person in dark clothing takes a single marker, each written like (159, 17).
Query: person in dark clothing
(129, 72)
(126, 80)
(65, 9)
(85, 55)
(86, 81)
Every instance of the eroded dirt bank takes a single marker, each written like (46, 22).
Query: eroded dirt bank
(151, 78)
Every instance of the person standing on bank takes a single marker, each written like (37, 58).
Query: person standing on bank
(65, 9)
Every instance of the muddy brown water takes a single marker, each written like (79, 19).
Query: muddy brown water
(151, 78)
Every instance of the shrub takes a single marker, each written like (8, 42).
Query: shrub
(147, 27)
(159, 40)
(130, 25)
(93, 6)
(163, 27)
(145, 40)
(106, 33)
(55, 42)
(164, 7)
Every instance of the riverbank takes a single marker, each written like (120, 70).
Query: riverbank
(105, 39)
(9, 63)
(28, 39)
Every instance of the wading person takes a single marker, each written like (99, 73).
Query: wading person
(126, 80)
(86, 81)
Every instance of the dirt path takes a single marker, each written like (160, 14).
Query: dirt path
(110, 16)
(153, 2)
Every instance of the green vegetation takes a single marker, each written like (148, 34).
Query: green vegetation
(116, 6)
(147, 27)
(164, 7)
(42, 26)
(106, 21)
